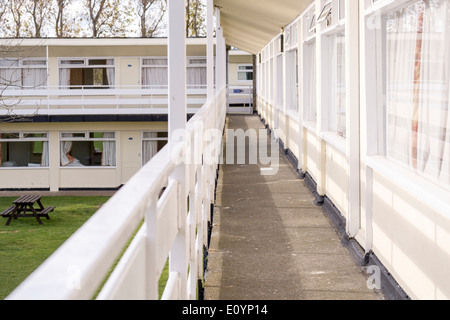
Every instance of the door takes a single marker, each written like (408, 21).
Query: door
(131, 154)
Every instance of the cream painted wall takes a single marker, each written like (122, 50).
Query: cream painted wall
(27, 178)
(129, 73)
(128, 157)
(336, 179)
(293, 136)
(412, 241)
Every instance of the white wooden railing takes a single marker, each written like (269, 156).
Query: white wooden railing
(88, 100)
(240, 95)
(171, 217)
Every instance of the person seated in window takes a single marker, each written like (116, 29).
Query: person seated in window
(73, 162)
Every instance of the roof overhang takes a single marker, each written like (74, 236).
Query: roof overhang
(251, 24)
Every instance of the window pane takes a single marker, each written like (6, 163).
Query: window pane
(417, 89)
(72, 62)
(34, 62)
(14, 135)
(88, 153)
(34, 135)
(24, 154)
(100, 135)
(154, 62)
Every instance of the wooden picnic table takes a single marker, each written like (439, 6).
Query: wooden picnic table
(24, 206)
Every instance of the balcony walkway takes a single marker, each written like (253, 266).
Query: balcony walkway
(270, 242)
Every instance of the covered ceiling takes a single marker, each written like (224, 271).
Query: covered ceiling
(251, 24)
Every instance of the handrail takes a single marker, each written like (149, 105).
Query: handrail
(122, 99)
(77, 268)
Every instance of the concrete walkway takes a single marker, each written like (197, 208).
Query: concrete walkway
(270, 242)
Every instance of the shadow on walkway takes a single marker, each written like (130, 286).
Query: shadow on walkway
(270, 242)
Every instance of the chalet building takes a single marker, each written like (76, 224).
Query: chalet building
(356, 91)
(88, 113)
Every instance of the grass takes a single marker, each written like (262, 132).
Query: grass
(25, 244)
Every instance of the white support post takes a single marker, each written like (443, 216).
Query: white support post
(218, 51)
(210, 49)
(321, 102)
(301, 136)
(151, 256)
(178, 259)
(353, 115)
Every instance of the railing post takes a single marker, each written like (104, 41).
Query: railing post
(178, 261)
(210, 49)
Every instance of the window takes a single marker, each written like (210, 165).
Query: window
(280, 93)
(325, 15)
(310, 109)
(86, 73)
(416, 87)
(337, 115)
(196, 74)
(154, 73)
(292, 80)
(152, 142)
(245, 72)
(23, 73)
(92, 149)
(24, 149)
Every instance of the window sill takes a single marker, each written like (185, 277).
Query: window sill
(293, 115)
(310, 126)
(336, 141)
(24, 168)
(420, 188)
(87, 167)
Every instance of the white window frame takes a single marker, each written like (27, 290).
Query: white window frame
(191, 64)
(376, 112)
(160, 66)
(151, 139)
(308, 94)
(20, 64)
(244, 71)
(329, 35)
(292, 107)
(22, 138)
(86, 137)
(86, 65)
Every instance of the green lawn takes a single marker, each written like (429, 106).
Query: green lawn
(25, 244)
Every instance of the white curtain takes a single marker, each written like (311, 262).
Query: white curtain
(66, 147)
(10, 75)
(196, 77)
(45, 154)
(155, 73)
(109, 151)
(417, 102)
(310, 79)
(339, 81)
(64, 78)
(280, 96)
(149, 147)
(291, 80)
(34, 78)
(110, 73)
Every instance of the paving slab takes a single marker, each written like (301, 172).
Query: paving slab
(271, 242)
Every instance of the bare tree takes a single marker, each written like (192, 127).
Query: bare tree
(151, 14)
(11, 77)
(195, 18)
(108, 17)
(17, 12)
(63, 25)
(39, 11)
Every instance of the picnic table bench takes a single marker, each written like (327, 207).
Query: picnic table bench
(24, 206)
